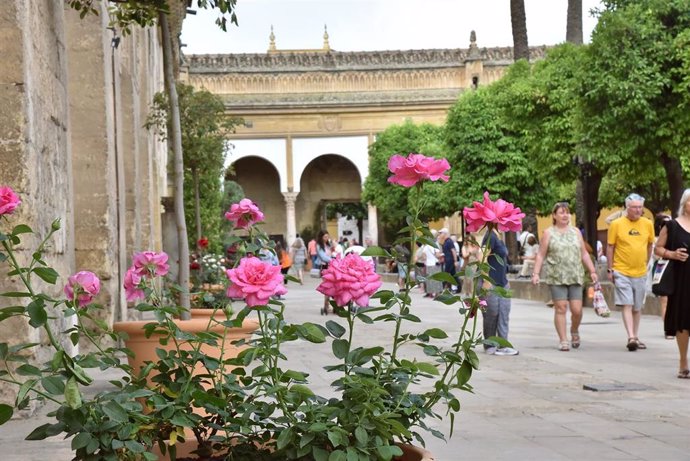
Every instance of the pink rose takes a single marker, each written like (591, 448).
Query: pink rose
(415, 168)
(350, 279)
(84, 285)
(244, 214)
(8, 200)
(151, 263)
(504, 214)
(255, 281)
(132, 285)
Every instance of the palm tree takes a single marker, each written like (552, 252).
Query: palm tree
(573, 31)
(518, 20)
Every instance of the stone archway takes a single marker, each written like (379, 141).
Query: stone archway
(261, 183)
(327, 178)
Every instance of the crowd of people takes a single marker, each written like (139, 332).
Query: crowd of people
(561, 255)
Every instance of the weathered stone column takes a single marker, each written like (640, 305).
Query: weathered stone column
(291, 221)
(373, 224)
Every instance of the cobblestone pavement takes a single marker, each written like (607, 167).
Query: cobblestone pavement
(532, 406)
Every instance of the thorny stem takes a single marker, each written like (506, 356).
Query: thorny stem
(351, 327)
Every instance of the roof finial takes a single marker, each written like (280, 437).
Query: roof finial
(272, 42)
(474, 50)
(326, 45)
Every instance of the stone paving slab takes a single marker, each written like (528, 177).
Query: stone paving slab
(526, 407)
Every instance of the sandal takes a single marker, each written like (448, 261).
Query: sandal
(684, 374)
(632, 344)
(563, 346)
(575, 342)
(640, 344)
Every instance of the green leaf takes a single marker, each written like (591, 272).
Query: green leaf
(72, 394)
(429, 368)
(37, 313)
(319, 454)
(361, 435)
(47, 274)
(81, 440)
(21, 229)
(375, 251)
(352, 454)
(28, 370)
(40, 433)
(443, 277)
(337, 455)
(284, 439)
(436, 333)
(340, 348)
(24, 389)
(311, 333)
(53, 385)
(6, 412)
(302, 390)
(464, 373)
(16, 294)
(335, 329)
(115, 412)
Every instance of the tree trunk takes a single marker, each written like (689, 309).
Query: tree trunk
(197, 203)
(175, 137)
(674, 176)
(518, 20)
(573, 30)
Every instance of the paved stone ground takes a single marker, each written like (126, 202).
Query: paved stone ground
(526, 407)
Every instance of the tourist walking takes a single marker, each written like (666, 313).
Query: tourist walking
(673, 243)
(323, 258)
(298, 253)
(497, 314)
(429, 256)
(449, 255)
(564, 254)
(529, 256)
(660, 221)
(630, 239)
(311, 248)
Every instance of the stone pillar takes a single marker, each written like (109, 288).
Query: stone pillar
(291, 221)
(373, 224)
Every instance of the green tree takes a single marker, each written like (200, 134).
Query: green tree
(204, 127)
(391, 200)
(487, 154)
(635, 88)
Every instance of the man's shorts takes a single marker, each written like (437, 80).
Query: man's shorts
(630, 291)
(566, 292)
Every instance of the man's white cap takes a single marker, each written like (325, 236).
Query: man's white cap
(444, 230)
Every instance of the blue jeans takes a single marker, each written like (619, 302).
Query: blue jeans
(496, 317)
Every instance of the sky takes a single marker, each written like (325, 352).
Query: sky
(369, 25)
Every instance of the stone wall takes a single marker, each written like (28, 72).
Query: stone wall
(73, 145)
(34, 142)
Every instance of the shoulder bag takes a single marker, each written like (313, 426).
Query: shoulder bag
(663, 280)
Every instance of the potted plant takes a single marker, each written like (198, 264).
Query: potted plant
(252, 406)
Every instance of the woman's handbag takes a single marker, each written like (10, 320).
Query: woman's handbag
(663, 281)
(601, 308)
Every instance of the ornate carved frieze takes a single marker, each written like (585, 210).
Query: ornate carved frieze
(357, 60)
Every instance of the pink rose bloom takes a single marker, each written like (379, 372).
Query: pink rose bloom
(132, 285)
(85, 285)
(504, 214)
(415, 168)
(255, 281)
(244, 214)
(8, 200)
(150, 263)
(350, 279)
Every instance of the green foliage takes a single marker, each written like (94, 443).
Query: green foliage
(392, 201)
(204, 128)
(488, 155)
(634, 91)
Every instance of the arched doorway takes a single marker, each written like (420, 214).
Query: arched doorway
(261, 183)
(327, 178)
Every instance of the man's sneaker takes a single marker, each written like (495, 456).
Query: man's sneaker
(490, 350)
(506, 351)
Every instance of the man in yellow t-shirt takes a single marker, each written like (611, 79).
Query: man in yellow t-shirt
(630, 241)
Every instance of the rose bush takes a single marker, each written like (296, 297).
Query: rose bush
(252, 407)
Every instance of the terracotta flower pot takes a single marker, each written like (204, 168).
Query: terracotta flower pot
(145, 348)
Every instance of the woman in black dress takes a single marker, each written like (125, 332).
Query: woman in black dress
(673, 244)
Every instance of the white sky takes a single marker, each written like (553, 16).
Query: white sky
(367, 25)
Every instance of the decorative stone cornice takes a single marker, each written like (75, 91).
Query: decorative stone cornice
(355, 60)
